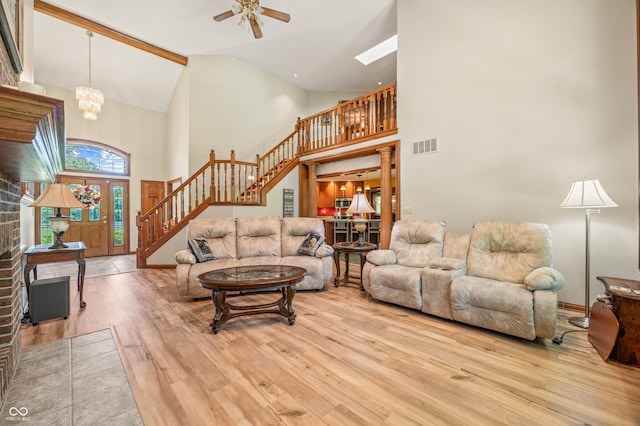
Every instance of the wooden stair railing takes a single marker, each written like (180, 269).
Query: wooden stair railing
(232, 182)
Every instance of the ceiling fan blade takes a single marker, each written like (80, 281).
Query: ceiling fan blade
(255, 27)
(275, 14)
(223, 16)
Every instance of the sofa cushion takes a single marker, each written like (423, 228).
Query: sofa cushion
(508, 251)
(496, 305)
(258, 236)
(396, 284)
(220, 234)
(295, 230)
(447, 263)
(415, 242)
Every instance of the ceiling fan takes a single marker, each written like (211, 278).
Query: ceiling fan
(251, 11)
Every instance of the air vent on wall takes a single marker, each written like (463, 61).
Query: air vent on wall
(427, 146)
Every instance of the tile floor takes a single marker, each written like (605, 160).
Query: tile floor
(95, 266)
(78, 381)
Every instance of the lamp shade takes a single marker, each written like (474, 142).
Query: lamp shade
(57, 195)
(587, 194)
(360, 204)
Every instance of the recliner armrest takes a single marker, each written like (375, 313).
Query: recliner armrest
(447, 263)
(544, 278)
(382, 257)
(324, 250)
(185, 257)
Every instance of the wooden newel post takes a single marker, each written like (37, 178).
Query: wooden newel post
(233, 176)
(258, 178)
(212, 186)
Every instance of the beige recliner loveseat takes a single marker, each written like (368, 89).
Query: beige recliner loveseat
(254, 241)
(499, 277)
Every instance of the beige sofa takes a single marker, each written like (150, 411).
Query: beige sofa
(499, 277)
(254, 241)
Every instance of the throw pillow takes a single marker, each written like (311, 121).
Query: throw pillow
(201, 250)
(310, 244)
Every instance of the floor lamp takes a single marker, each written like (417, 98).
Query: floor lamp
(586, 194)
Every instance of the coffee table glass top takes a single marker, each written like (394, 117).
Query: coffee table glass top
(257, 274)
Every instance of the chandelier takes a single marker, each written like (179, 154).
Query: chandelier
(90, 100)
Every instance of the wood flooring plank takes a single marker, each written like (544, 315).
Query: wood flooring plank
(347, 360)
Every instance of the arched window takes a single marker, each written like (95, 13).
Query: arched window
(94, 157)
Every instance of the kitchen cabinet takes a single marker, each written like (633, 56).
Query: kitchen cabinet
(326, 197)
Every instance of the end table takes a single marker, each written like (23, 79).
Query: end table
(348, 248)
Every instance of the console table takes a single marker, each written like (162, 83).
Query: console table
(41, 253)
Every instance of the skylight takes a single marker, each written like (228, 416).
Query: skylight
(378, 51)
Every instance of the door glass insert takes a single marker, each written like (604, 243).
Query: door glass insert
(46, 235)
(75, 213)
(94, 212)
(118, 215)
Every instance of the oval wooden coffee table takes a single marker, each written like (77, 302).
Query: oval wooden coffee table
(247, 279)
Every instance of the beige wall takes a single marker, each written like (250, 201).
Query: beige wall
(178, 131)
(524, 98)
(233, 105)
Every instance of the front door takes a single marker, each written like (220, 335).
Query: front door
(104, 227)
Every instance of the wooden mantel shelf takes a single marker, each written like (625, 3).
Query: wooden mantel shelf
(32, 136)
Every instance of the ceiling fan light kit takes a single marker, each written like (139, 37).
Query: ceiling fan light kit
(251, 11)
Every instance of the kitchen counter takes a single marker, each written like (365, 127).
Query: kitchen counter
(342, 230)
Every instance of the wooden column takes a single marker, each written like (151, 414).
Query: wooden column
(303, 184)
(386, 214)
(313, 190)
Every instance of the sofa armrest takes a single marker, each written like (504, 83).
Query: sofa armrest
(382, 257)
(185, 257)
(447, 263)
(324, 250)
(544, 278)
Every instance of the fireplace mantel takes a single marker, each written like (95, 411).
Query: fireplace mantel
(32, 135)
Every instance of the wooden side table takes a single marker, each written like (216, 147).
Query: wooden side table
(625, 298)
(348, 248)
(41, 253)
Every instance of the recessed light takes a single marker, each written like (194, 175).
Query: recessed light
(378, 51)
(295, 75)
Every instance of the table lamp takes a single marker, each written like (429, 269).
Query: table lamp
(586, 194)
(58, 195)
(360, 205)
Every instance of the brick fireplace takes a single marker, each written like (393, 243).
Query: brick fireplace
(10, 313)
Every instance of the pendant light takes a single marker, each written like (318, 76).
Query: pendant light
(90, 100)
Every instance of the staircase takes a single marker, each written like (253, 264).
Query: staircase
(232, 182)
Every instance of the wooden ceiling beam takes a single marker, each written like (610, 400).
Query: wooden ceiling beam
(88, 24)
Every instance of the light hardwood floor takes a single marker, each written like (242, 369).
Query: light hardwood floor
(347, 360)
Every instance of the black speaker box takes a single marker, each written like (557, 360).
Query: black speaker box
(49, 299)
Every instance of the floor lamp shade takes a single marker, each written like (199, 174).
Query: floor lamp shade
(586, 194)
(58, 195)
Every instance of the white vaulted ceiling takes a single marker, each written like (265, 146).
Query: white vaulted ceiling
(318, 45)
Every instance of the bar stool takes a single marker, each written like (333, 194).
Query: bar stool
(341, 227)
